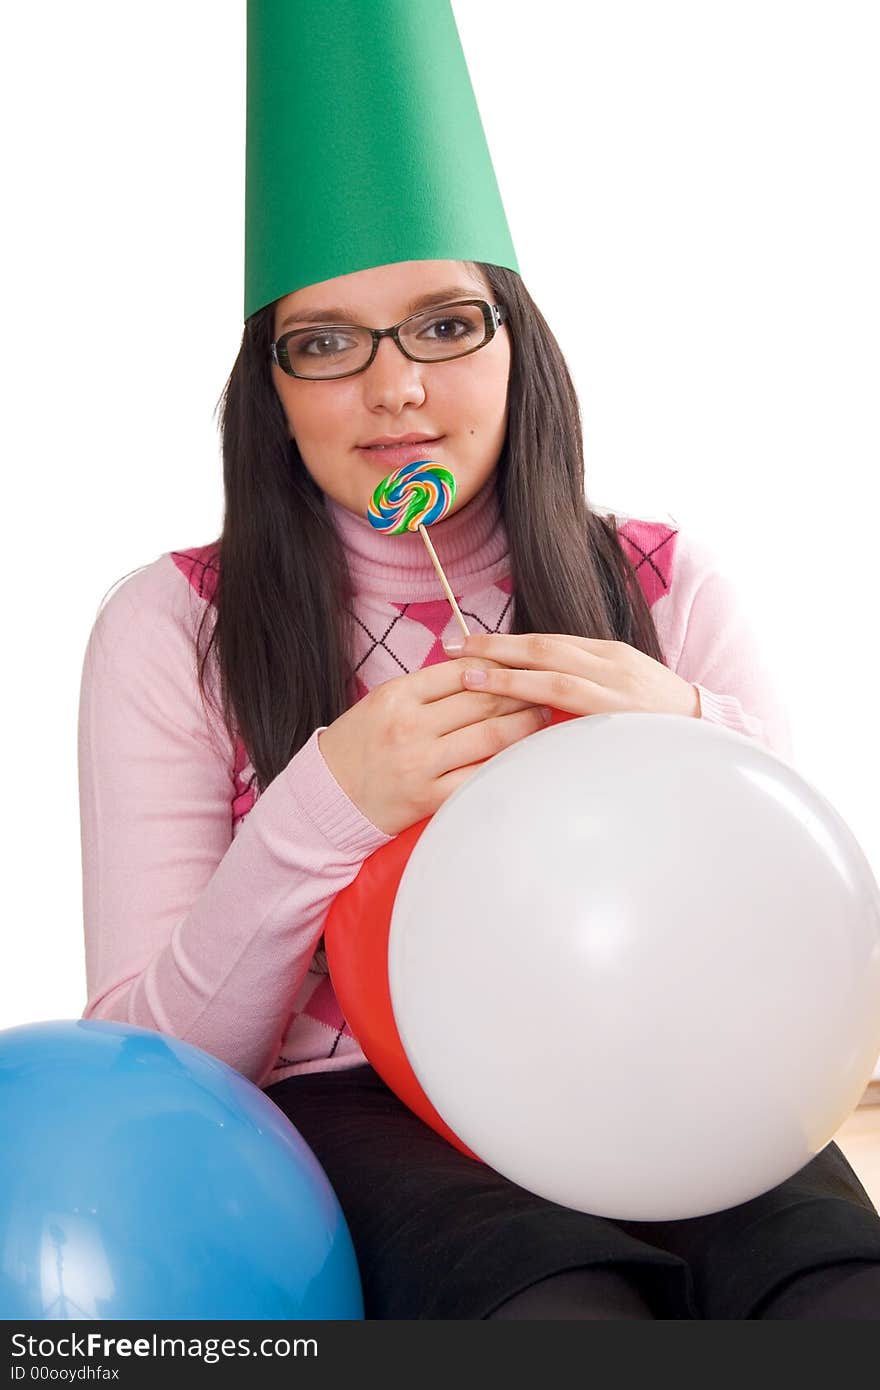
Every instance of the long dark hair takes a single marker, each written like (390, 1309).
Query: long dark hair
(282, 630)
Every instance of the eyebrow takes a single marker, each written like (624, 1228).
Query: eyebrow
(347, 315)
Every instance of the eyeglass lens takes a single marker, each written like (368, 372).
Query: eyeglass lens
(431, 337)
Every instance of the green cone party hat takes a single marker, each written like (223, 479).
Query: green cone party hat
(364, 144)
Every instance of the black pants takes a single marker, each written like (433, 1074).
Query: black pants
(438, 1235)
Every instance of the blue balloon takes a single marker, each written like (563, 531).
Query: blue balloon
(142, 1178)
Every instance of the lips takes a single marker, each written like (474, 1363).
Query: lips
(396, 455)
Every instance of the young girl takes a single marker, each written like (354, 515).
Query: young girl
(260, 714)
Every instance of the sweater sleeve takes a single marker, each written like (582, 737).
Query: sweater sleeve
(190, 931)
(709, 641)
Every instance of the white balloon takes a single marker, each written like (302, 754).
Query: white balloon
(635, 965)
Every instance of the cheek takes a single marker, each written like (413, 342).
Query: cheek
(482, 401)
(316, 418)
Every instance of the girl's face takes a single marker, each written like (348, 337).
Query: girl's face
(462, 402)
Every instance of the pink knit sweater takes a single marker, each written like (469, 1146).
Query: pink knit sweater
(204, 901)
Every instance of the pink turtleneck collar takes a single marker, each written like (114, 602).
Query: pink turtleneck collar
(471, 546)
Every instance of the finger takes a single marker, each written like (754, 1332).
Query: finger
(466, 707)
(436, 682)
(439, 679)
(559, 689)
(485, 739)
(543, 651)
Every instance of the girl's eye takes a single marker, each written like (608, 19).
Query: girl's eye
(325, 344)
(463, 324)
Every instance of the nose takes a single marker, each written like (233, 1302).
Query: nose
(393, 379)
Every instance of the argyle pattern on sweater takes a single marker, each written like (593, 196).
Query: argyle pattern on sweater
(317, 1028)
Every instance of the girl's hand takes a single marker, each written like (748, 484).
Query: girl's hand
(578, 675)
(403, 749)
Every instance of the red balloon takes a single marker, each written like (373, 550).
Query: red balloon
(356, 936)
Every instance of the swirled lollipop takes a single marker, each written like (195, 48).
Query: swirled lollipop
(411, 498)
(417, 494)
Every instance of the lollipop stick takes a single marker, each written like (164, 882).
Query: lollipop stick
(443, 580)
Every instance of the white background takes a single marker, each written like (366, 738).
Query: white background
(692, 191)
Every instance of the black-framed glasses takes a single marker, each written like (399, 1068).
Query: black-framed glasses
(328, 351)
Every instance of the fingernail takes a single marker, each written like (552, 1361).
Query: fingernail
(546, 713)
(475, 677)
(453, 644)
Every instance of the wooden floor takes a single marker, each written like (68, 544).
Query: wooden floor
(859, 1138)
